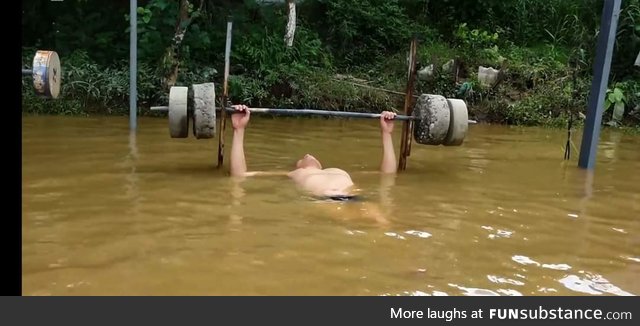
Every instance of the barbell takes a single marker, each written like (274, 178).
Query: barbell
(46, 73)
(439, 121)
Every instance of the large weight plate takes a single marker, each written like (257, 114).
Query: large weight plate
(178, 116)
(204, 110)
(433, 115)
(459, 123)
(47, 74)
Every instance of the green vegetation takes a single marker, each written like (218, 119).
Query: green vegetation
(544, 50)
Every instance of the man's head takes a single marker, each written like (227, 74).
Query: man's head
(308, 161)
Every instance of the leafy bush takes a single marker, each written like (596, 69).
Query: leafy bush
(361, 31)
(532, 42)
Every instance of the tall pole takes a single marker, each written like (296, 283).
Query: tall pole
(405, 142)
(601, 70)
(225, 94)
(133, 64)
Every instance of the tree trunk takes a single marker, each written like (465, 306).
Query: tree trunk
(171, 60)
(291, 24)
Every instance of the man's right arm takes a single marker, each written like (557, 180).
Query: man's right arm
(238, 162)
(388, 164)
(240, 121)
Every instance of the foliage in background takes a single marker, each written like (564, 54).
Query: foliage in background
(533, 42)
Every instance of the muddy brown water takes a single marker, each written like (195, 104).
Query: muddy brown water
(107, 213)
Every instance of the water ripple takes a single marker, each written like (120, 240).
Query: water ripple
(420, 234)
(592, 284)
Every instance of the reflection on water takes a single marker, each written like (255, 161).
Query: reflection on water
(110, 212)
(591, 284)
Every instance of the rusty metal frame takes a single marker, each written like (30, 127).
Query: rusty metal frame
(225, 94)
(407, 127)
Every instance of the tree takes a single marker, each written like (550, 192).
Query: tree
(291, 24)
(171, 60)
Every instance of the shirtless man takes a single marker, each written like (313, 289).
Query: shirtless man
(327, 183)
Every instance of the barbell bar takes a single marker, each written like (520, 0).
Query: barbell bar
(310, 112)
(439, 121)
(46, 73)
(302, 112)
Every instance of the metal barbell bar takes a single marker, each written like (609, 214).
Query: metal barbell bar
(439, 121)
(46, 74)
(311, 112)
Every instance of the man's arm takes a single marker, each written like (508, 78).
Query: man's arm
(388, 164)
(240, 121)
(238, 162)
(265, 173)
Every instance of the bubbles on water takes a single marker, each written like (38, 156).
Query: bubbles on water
(499, 233)
(592, 284)
(420, 234)
(485, 292)
(394, 235)
(417, 293)
(636, 259)
(60, 262)
(547, 290)
(434, 293)
(524, 260)
(504, 233)
(510, 292)
(474, 291)
(558, 267)
(355, 232)
(502, 280)
(77, 284)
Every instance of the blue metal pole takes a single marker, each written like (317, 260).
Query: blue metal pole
(133, 62)
(601, 70)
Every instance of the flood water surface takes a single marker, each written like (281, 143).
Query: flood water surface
(109, 213)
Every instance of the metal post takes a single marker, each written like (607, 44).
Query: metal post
(225, 94)
(405, 142)
(133, 62)
(601, 70)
